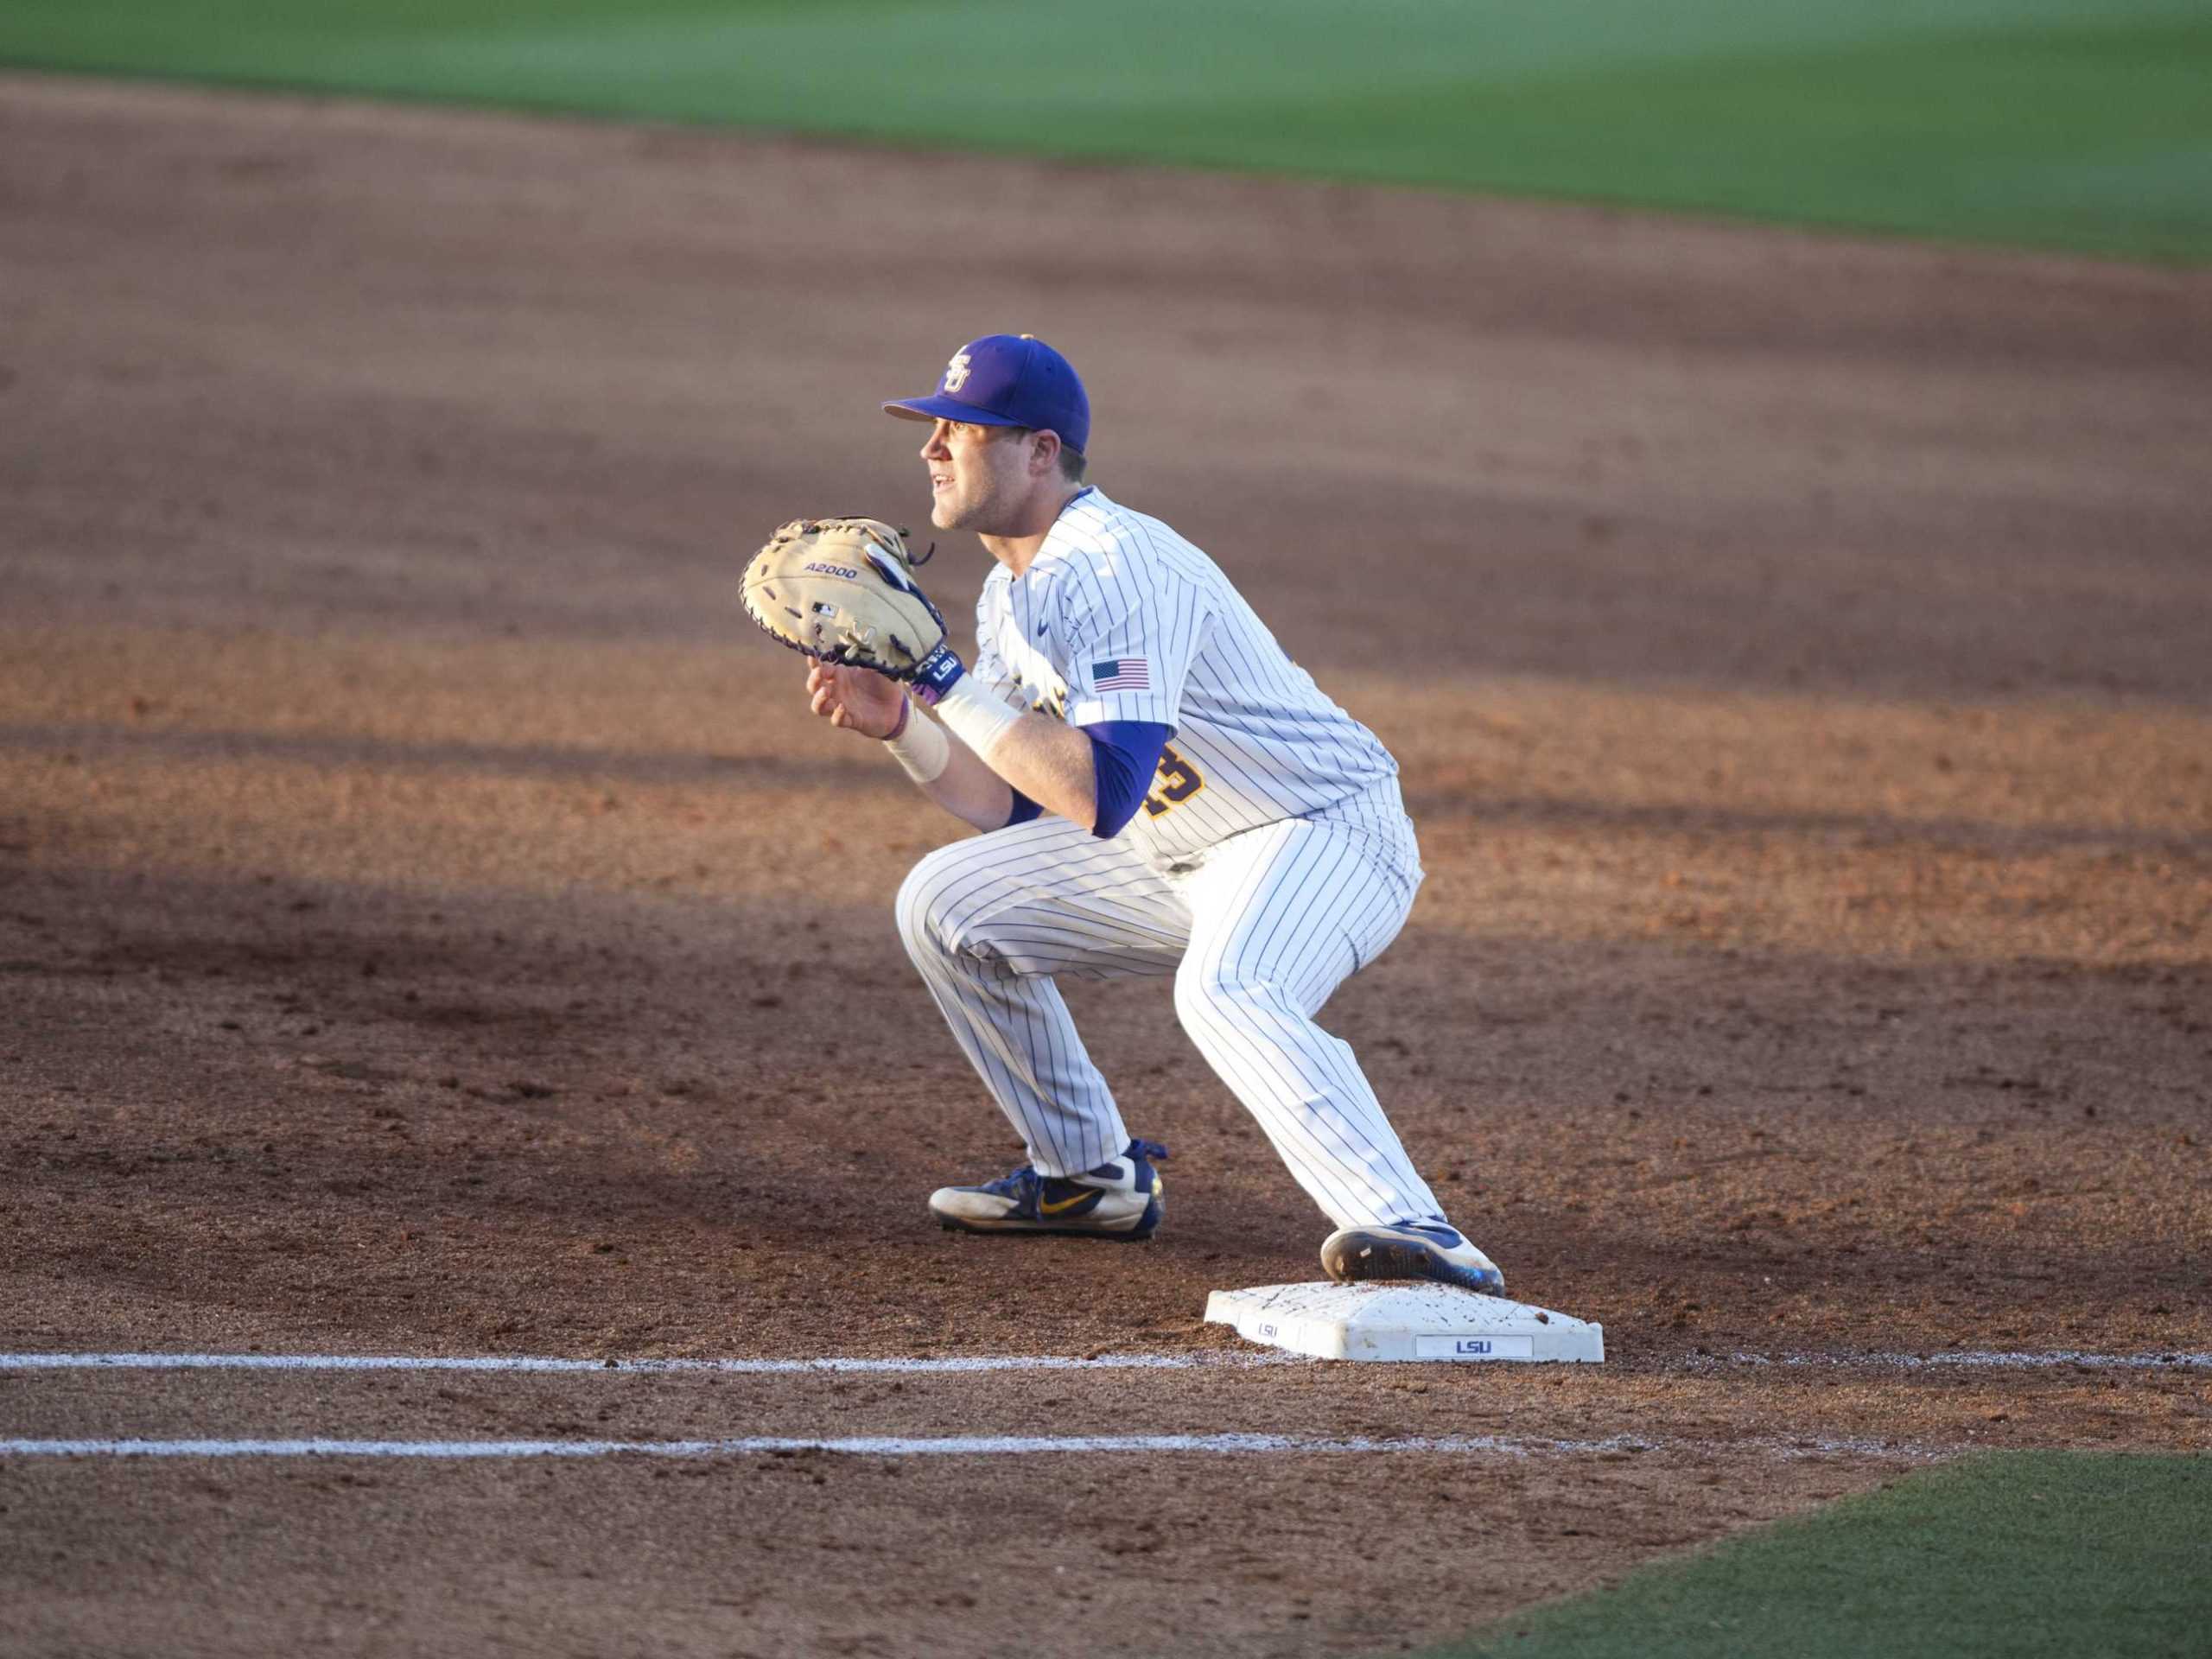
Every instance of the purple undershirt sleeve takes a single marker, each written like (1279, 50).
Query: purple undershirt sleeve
(1124, 757)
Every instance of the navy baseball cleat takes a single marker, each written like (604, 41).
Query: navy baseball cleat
(1123, 1197)
(1409, 1249)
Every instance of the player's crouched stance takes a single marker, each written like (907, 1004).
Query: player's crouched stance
(1163, 793)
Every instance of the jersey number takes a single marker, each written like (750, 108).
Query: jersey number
(1179, 781)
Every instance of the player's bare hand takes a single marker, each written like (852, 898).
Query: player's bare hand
(855, 699)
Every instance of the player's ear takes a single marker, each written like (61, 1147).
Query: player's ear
(1044, 452)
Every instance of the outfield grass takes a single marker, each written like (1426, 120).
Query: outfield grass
(2018, 1554)
(2042, 122)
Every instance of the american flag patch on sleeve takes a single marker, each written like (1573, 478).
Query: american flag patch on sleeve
(1122, 674)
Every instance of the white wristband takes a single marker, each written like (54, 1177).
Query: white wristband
(977, 717)
(919, 747)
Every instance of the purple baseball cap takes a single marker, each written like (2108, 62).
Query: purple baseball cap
(1008, 380)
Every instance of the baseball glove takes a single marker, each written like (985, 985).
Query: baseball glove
(842, 590)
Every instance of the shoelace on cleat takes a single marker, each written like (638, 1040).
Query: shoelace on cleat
(1023, 1184)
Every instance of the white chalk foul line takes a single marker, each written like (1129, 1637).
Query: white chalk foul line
(891, 1446)
(1970, 1359)
(967, 1445)
(535, 1365)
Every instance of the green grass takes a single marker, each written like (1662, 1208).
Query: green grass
(2018, 1554)
(2042, 122)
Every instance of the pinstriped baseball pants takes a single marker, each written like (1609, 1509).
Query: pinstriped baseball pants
(1258, 934)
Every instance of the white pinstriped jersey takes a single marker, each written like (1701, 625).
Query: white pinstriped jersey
(1119, 618)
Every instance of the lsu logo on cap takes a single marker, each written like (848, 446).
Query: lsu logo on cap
(955, 372)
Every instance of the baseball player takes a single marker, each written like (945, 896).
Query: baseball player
(1162, 791)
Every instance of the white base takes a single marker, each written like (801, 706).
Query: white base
(1403, 1320)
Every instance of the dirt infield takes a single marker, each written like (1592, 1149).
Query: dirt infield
(430, 925)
